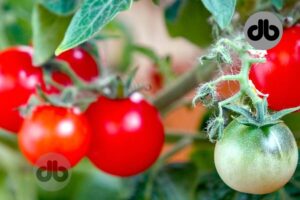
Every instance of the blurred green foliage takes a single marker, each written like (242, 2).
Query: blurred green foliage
(189, 19)
(15, 26)
(193, 180)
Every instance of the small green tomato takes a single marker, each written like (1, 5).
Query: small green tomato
(256, 160)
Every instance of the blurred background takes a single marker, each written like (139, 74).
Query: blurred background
(164, 41)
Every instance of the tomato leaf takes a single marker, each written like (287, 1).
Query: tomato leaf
(89, 19)
(189, 19)
(222, 11)
(245, 8)
(15, 19)
(61, 7)
(48, 32)
(278, 4)
(172, 12)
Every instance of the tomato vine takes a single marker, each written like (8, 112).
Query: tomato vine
(127, 132)
(207, 93)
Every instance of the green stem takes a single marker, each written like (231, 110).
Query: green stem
(44, 96)
(162, 64)
(227, 101)
(250, 90)
(49, 80)
(64, 68)
(175, 136)
(183, 102)
(81, 84)
(245, 84)
(226, 78)
(231, 44)
(120, 90)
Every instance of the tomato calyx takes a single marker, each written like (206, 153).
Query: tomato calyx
(53, 65)
(123, 88)
(80, 93)
(207, 95)
(247, 118)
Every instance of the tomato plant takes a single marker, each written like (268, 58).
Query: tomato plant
(282, 62)
(18, 80)
(256, 160)
(128, 135)
(51, 129)
(80, 98)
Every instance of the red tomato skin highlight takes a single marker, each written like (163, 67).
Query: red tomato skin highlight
(51, 129)
(279, 75)
(18, 80)
(127, 135)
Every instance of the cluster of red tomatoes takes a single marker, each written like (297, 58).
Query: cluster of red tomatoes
(122, 137)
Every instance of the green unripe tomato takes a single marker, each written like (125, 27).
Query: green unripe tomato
(256, 160)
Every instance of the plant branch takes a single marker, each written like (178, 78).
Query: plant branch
(227, 101)
(81, 84)
(225, 78)
(175, 136)
(183, 85)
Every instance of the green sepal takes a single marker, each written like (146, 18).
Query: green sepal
(240, 110)
(47, 98)
(32, 102)
(118, 88)
(206, 94)
(247, 121)
(282, 113)
(130, 78)
(220, 53)
(253, 122)
(68, 95)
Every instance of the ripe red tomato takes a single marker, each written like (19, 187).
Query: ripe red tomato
(127, 135)
(81, 62)
(157, 80)
(18, 80)
(279, 75)
(58, 130)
